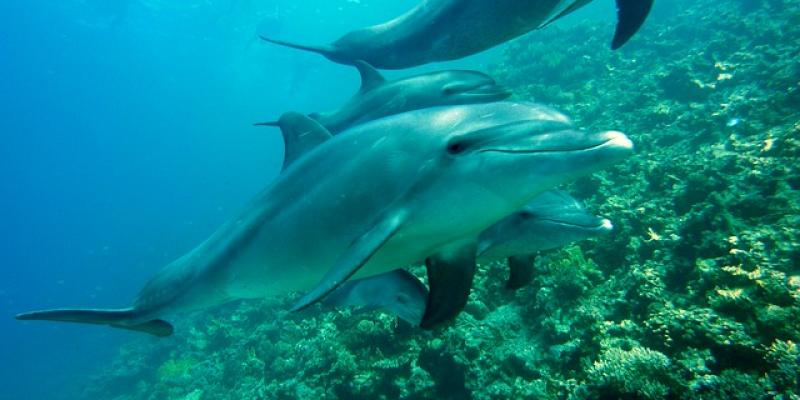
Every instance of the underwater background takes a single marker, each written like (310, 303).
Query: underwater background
(127, 140)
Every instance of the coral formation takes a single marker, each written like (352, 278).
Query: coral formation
(695, 295)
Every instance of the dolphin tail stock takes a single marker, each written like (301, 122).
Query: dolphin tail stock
(267, 123)
(325, 50)
(116, 318)
(630, 17)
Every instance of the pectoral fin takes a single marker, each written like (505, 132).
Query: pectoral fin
(357, 254)
(521, 271)
(630, 17)
(450, 276)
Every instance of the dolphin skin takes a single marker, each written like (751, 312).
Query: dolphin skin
(442, 30)
(419, 185)
(379, 97)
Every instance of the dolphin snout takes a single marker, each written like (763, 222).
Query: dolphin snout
(617, 139)
(606, 226)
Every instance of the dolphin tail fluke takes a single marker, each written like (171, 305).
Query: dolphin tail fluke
(116, 318)
(630, 17)
(325, 50)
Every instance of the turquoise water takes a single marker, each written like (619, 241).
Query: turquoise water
(127, 140)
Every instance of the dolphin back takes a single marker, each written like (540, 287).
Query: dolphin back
(116, 318)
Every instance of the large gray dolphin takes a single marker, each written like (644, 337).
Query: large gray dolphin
(420, 185)
(549, 221)
(379, 97)
(441, 30)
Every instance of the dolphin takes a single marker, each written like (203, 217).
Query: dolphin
(398, 292)
(415, 186)
(379, 97)
(442, 30)
(551, 220)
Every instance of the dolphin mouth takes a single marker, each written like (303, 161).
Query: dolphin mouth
(603, 226)
(488, 90)
(613, 140)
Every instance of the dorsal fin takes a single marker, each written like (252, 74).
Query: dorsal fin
(300, 135)
(370, 77)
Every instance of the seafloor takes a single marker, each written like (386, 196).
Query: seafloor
(695, 295)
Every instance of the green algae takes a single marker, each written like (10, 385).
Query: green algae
(695, 295)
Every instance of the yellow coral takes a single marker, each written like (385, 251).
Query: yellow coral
(731, 294)
(768, 144)
(652, 235)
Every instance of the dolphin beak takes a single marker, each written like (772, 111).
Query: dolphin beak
(618, 139)
(568, 141)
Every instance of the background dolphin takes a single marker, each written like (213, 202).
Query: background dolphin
(441, 30)
(379, 97)
(374, 198)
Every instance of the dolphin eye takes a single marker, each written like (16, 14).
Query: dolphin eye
(455, 88)
(456, 147)
(525, 214)
(402, 299)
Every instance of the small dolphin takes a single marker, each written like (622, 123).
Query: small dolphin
(420, 185)
(379, 97)
(551, 220)
(397, 292)
(442, 30)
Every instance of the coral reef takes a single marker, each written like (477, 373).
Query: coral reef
(695, 295)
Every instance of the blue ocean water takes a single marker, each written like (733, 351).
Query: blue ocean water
(126, 140)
